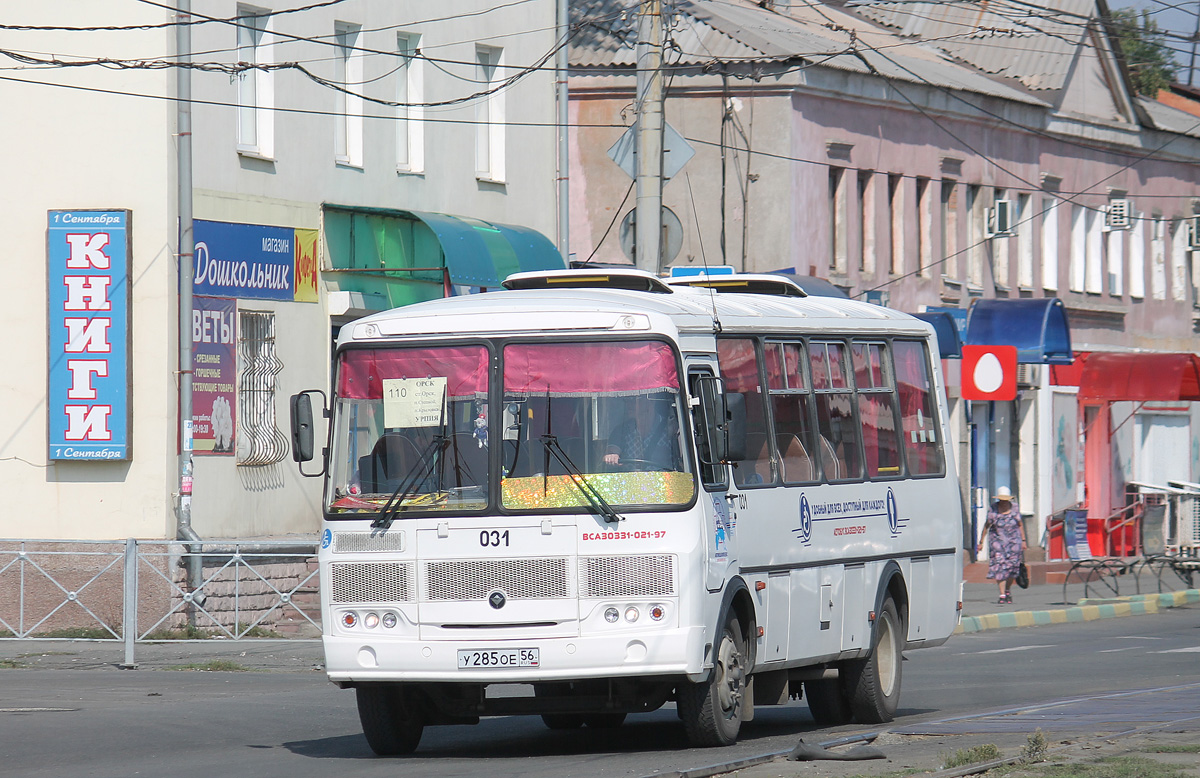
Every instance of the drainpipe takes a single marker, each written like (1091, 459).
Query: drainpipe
(187, 273)
(564, 189)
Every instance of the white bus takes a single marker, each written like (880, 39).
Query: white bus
(611, 493)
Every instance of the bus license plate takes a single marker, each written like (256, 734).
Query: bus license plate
(472, 659)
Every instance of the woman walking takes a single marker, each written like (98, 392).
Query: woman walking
(1005, 533)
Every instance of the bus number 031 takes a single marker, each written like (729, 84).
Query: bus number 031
(493, 538)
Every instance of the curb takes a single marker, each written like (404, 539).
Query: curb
(1087, 610)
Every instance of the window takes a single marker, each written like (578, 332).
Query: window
(410, 89)
(1050, 243)
(838, 430)
(348, 106)
(1116, 262)
(975, 240)
(866, 210)
(949, 227)
(838, 236)
(1000, 248)
(1024, 225)
(1075, 274)
(1158, 257)
(260, 442)
(489, 115)
(791, 407)
(1179, 260)
(924, 228)
(896, 221)
(255, 86)
(1137, 256)
(739, 368)
(1093, 277)
(873, 379)
(918, 424)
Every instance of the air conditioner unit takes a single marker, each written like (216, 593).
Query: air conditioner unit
(1193, 232)
(1000, 219)
(1116, 215)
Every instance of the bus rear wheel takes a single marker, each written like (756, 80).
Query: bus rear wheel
(390, 718)
(873, 684)
(712, 710)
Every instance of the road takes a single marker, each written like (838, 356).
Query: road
(297, 725)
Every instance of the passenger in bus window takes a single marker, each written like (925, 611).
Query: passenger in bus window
(647, 438)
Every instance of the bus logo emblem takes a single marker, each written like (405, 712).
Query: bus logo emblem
(497, 600)
(804, 531)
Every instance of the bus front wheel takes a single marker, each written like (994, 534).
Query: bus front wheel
(712, 710)
(873, 684)
(390, 719)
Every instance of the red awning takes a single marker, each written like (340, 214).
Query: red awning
(1144, 377)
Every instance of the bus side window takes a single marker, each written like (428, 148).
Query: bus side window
(838, 429)
(703, 386)
(738, 361)
(791, 404)
(876, 409)
(918, 422)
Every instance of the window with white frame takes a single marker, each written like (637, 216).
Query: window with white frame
(1050, 243)
(1179, 260)
(1158, 257)
(949, 204)
(896, 220)
(410, 117)
(348, 106)
(838, 223)
(489, 114)
(260, 441)
(1075, 274)
(976, 219)
(866, 211)
(1137, 256)
(924, 227)
(1094, 274)
(1115, 255)
(1023, 219)
(255, 84)
(1000, 246)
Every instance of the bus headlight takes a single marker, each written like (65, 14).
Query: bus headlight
(611, 615)
(631, 614)
(371, 620)
(389, 620)
(349, 619)
(657, 612)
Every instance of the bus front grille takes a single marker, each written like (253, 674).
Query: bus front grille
(627, 576)
(475, 579)
(369, 582)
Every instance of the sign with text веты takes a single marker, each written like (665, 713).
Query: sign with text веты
(87, 293)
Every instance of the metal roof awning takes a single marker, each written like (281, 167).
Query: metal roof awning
(1140, 377)
(1037, 327)
(479, 253)
(949, 344)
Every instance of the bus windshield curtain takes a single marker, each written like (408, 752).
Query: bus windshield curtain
(585, 369)
(363, 370)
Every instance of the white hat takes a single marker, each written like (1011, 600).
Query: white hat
(1002, 493)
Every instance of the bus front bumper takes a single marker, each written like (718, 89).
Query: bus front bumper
(667, 652)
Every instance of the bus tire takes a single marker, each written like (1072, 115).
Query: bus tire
(873, 684)
(712, 710)
(827, 702)
(390, 720)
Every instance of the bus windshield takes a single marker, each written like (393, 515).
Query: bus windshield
(578, 424)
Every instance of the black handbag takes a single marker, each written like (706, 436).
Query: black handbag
(1023, 575)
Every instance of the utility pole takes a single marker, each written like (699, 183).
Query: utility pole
(564, 189)
(648, 213)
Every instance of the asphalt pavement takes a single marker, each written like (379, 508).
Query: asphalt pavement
(1039, 604)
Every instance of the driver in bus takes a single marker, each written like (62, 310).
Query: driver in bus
(648, 438)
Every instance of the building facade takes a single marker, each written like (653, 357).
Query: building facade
(345, 158)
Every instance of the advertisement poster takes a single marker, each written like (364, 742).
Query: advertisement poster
(1064, 491)
(214, 375)
(87, 294)
(255, 261)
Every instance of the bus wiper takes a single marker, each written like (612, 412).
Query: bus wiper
(597, 501)
(420, 470)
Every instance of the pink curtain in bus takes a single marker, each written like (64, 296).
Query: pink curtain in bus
(590, 368)
(361, 374)
(739, 367)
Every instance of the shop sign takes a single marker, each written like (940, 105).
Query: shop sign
(88, 335)
(989, 372)
(255, 261)
(214, 375)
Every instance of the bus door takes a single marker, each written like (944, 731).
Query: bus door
(718, 502)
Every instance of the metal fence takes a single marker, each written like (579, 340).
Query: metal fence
(138, 591)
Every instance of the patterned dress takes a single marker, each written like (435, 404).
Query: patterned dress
(1004, 543)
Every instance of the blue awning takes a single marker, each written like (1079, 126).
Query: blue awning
(479, 253)
(949, 344)
(1037, 327)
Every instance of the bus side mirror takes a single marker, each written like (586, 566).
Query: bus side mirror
(735, 426)
(302, 428)
(710, 428)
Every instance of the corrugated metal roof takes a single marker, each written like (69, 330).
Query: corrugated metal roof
(1171, 119)
(707, 31)
(1032, 44)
